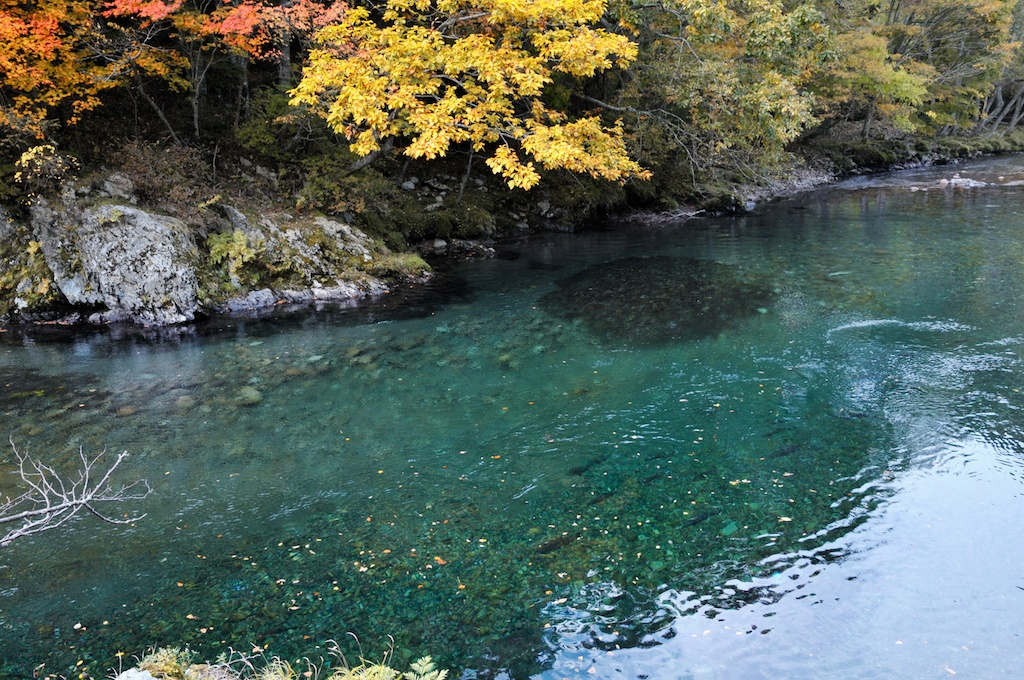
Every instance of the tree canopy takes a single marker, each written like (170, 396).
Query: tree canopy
(452, 72)
(46, 68)
(607, 88)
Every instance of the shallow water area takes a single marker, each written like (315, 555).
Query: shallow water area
(825, 484)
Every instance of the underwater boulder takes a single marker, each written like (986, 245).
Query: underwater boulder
(646, 301)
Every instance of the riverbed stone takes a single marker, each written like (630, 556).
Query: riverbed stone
(185, 402)
(248, 396)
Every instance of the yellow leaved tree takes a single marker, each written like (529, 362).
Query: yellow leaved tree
(431, 75)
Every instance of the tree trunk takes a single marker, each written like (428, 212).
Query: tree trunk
(284, 64)
(893, 13)
(993, 109)
(242, 101)
(200, 67)
(868, 119)
(1018, 109)
(465, 178)
(387, 146)
(198, 85)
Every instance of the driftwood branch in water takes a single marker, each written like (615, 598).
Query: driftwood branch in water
(52, 499)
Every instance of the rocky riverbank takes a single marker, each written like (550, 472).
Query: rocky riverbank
(819, 162)
(92, 255)
(93, 252)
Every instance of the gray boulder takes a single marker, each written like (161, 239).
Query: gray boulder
(118, 186)
(137, 265)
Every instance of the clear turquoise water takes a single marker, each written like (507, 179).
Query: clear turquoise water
(827, 485)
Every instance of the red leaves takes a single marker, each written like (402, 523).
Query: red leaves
(250, 26)
(150, 11)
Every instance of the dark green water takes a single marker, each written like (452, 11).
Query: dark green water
(783, 445)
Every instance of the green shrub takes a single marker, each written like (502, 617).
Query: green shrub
(276, 131)
(234, 248)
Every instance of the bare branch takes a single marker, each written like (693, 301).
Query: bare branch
(51, 499)
(672, 123)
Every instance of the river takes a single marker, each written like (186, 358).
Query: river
(784, 444)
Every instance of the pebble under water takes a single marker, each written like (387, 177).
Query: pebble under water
(566, 463)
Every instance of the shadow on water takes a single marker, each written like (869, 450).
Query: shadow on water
(647, 301)
(403, 302)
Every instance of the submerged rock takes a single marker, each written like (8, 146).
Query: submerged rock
(644, 301)
(248, 396)
(185, 402)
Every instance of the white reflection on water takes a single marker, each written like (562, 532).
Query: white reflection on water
(931, 586)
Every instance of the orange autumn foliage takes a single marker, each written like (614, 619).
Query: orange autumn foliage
(46, 64)
(58, 56)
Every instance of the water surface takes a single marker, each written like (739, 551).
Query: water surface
(780, 445)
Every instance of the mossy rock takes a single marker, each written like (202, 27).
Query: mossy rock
(25, 278)
(723, 203)
(398, 266)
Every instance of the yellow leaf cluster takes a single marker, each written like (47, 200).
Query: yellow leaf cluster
(435, 74)
(583, 146)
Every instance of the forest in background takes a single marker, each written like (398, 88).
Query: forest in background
(333, 107)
